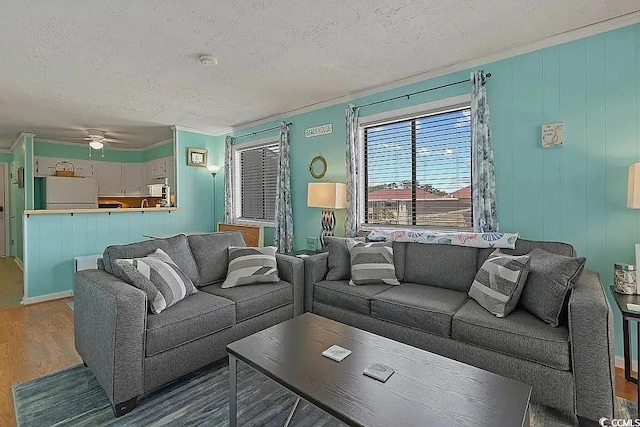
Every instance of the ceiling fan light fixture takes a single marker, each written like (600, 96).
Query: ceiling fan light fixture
(96, 145)
(208, 60)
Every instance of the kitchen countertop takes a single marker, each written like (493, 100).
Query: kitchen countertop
(96, 210)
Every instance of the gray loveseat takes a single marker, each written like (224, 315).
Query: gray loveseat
(131, 352)
(570, 367)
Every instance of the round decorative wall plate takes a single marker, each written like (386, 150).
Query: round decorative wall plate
(318, 167)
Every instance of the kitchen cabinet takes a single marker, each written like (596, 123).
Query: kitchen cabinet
(159, 169)
(133, 179)
(109, 177)
(46, 166)
(115, 179)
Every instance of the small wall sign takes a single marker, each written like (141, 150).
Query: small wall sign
(552, 135)
(318, 130)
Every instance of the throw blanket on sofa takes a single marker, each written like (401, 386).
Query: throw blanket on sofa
(473, 240)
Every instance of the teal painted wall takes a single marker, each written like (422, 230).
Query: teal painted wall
(164, 150)
(576, 193)
(17, 200)
(54, 240)
(6, 157)
(28, 173)
(81, 152)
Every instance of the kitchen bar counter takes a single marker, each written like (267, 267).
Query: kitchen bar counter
(97, 210)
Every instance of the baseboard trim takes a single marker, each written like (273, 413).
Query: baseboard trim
(44, 298)
(620, 363)
(19, 263)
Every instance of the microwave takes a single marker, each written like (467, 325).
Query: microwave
(155, 190)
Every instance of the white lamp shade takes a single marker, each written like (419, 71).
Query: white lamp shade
(96, 145)
(213, 169)
(633, 187)
(328, 195)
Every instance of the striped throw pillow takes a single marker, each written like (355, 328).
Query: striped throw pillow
(251, 265)
(499, 282)
(159, 277)
(372, 263)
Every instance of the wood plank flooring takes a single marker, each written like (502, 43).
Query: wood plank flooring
(11, 287)
(38, 339)
(34, 341)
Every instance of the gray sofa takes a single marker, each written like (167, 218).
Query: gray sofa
(132, 352)
(570, 367)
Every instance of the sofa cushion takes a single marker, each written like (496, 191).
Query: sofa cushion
(159, 277)
(199, 315)
(423, 307)
(339, 293)
(521, 334)
(176, 247)
(211, 254)
(248, 266)
(371, 264)
(339, 261)
(523, 247)
(444, 266)
(551, 277)
(499, 282)
(253, 300)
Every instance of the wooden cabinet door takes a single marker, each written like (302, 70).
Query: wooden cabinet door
(45, 166)
(132, 179)
(109, 175)
(83, 168)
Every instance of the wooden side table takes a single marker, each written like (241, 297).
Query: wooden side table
(628, 317)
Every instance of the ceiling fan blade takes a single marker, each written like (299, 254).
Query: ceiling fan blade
(115, 141)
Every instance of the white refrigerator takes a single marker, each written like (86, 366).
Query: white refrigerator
(71, 193)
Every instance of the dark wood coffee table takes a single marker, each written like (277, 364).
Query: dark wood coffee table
(426, 389)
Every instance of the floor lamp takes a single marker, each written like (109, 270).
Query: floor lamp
(328, 196)
(214, 169)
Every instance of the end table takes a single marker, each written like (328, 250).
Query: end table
(303, 253)
(628, 316)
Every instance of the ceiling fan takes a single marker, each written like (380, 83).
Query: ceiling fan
(97, 139)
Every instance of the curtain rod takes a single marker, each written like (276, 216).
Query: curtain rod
(260, 131)
(420, 91)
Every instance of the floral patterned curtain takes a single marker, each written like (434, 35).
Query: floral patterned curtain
(228, 187)
(284, 215)
(482, 173)
(352, 216)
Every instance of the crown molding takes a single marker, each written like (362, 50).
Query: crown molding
(221, 131)
(5, 150)
(21, 135)
(556, 39)
(158, 144)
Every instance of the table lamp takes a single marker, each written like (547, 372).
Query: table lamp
(328, 196)
(633, 197)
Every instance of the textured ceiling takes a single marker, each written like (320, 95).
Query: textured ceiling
(131, 68)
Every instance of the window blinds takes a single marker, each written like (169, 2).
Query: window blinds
(418, 171)
(256, 176)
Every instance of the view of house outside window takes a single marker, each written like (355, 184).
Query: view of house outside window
(418, 171)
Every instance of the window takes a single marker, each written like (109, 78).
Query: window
(417, 171)
(255, 180)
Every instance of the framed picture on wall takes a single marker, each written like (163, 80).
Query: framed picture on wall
(196, 157)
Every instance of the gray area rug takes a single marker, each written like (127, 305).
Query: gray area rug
(72, 397)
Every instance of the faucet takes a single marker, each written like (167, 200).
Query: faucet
(144, 202)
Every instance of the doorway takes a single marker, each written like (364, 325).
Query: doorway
(11, 277)
(4, 223)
